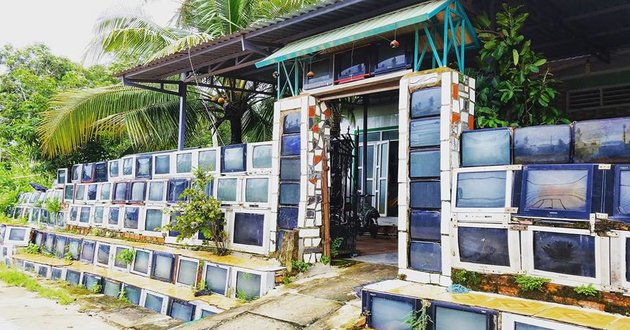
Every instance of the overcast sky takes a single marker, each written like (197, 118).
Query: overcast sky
(66, 26)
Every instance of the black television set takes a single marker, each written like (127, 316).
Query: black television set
(100, 171)
(114, 168)
(162, 165)
(133, 294)
(388, 311)
(56, 274)
(287, 217)
(68, 192)
(425, 225)
(87, 251)
(93, 283)
(322, 73)
(62, 176)
(291, 144)
(233, 158)
(61, 245)
(73, 277)
(390, 59)
(143, 166)
(352, 65)
(565, 252)
(249, 228)
(542, 144)
(162, 266)
(49, 245)
(483, 245)
(102, 254)
(181, 310)
(486, 147)
(76, 173)
(127, 166)
(88, 173)
(453, 316)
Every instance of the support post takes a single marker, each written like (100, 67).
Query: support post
(326, 201)
(365, 148)
(182, 113)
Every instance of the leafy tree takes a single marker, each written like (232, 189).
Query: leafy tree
(511, 88)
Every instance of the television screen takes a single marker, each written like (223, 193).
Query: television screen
(187, 272)
(102, 255)
(17, 234)
(138, 190)
(133, 294)
(621, 196)
(291, 123)
(29, 267)
(114, 216)
(162, 266)
(256, 190)
(216, 279)
(249, 228)
(424, 132)
(233, 159)
(141, 261)
(289, 193)
(99, 214)
(175, 189)
(127, 169)
(91, 192)
(226, 189)
(50, 243)
(287, 217)
(42, 271)
(87, 251)
(143, 167)
(73, 277)
(424, 164)
(261, 156)
(62, 176)
(117, 261)
(206, 313)
(40, 238)
(208, 160)
(291, 145)
(80, 194)
(486, 147)
(74, 248)
(120, 191)
(55, 274)
(111, 288)
(88, 173)
(74, 211)
(481, 189)
(425, 225)
(183, 162)
(426, 102)
(390, 313)
(542, 144)
(603, 140)
(131, 217)
(113, 169)
(487, 246)
(153, 219)
(248, 285)
(106, 192)
(181, 310)
(351, 65)
(153, 302)
(458, 318)
(68, 192)
(156, 191)
(323, 73)
(290, 169)
(390, 59)
(426, 256)
(163, 164)
(84, 217)
(209, 189)
(570, 254)
(425, 194)
(76, 173)
(100, 170)
(627, 260)
(60, 246)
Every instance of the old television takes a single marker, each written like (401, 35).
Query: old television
(352, 65)
(88, 249)
(162, 166)
(40, 238)
(425, 225)
(486, 147)
(34, 197)
(79, 195)
(131, 218)
(56, 274)
(74, 248)
(62, 177)
(290, 145)
(49, 244)
(565, 255)
(133, 294)
(137, 193)
(184, 161)
(487, 248)
(29, 267)
(249, 284)
(227, 189)
(603, 140)
(142, 262)
(88, 173)
(105, 192)
(424, 132)
(181, 310)
(256, 190)
(425, 256)
(424, 163)
(68, 193)
(542, 144)
(291, 122)
(288, 217)
(143, 166)
(17, 236)
(155, 302)
(425, 194)
(233, 158)
(91, 192)
(73, 215)
(121, 192)
(621, 194)
(568, 191)
(43, 270)
(103, 253)
(156, 192)
(187, 272)
(111, 288)
(61, 245)
(113, 169)
(248, 231)
(84, 215)
(98, 218)
(127, 170)
(76, 172)
(162, 266)
(426, 102)
(289, 193)
(100, 171)
(154, 219)
(323, 72)
(389, 59)
(176, 188)
(207, 159)
(259, 160)
(73, 277)
(113, 217)
(118, 262)
(521, 322)
(454, 316)
(216, 278)
(290, 169)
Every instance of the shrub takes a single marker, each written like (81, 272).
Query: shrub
(300, 265)
(126, 256)
(466, 278)
(586, 290)
(531, 283)
(32, 249)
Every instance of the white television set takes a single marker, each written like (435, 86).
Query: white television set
(250, 283)
(156, 192)
(76, 173)
(162, 167)
(182, 163)
(43, 271)
(79, 194)
(248, 230)
(62, 177)
(128, 167)
(91, 193)
(163, 266)
(154, 301)
(208, 159)
(187, 270)
(256, 191)
(114, 170)
(259, 157)
(111, 288)
(104, 193)
(141, 264)
(511, 321)
(114, 214)
(228, 189)
(18, 236)
(486, 248)
(118, 263)
(132, 218)
(103, 254)
(216, 278)
(85, 213)
(98, 216)
(133, 293)
(152, 220)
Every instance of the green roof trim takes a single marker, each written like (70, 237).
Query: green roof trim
(371, 27)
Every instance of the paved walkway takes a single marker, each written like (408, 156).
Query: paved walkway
(323, 300)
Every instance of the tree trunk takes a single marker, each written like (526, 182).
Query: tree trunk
(236, 131)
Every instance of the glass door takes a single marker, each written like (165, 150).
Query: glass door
(377, 173)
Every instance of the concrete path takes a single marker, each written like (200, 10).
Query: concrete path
(22, 309)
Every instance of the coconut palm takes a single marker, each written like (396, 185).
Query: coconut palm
(149, 119)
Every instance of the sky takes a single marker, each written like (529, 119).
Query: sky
(66, 26)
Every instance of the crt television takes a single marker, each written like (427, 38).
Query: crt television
(352, 65)
(486, 147)
(389, 59)
(233, 158)
(603, 140)
(323, 73)
(542, 144)
(387, 311)
(620, 209)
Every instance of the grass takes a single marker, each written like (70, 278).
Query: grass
(16, 278)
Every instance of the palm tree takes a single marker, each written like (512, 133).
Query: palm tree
(149, 119)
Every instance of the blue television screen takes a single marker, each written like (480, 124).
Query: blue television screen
(114, 216)
(156, 191)
(88, 173)
(249, 228)
(256, 190)
(131, 217)
(182, 310)
(216, 279)
(542, 144)
(120, 191)
(481, 189)
(99, 212)
(187, 272)
(87, 251)
(208, 160)
(424, 164)
(80, 194)
(102, 255)
(323, 71)
(117, 261)
(91, 192)
(289, 193)
(68, 192)
(143, 167)
(141, 262)
(233, 158)
(175, 189)
(424, 132)
(84, 216)
(261, 156)
(127, 167)
(290, 169)
(183, 162)
(248, 284)
(603, 141)
(291, 145)
(154, 302)
(425, 225)
(390, 313)
(570, 254)
(163, 264)
(621, 196)
(486, 147)
(74, 248)
(287, 217)
(114, 171)
(425, 195)
(60, 246)
(487, 246)
(226, 189)
(426, 256)
(163, 164)
(460, 317)
(111, 288)
(76, 173)
(133, 294)
(106, 190)
(101, 171)
(291, 122)
(61, 176)
(153, 219)
(426, 102)
(73, 277)
(138, 190)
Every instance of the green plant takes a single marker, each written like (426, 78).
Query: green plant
(99, 232)
(531, 283)
(32, 249)
(16, 278)
(52, 205)
(126, 256)
(586, 290)
(325, 260)
(68, 256)
(300, 266)
(122, 295)
(419, 320)
(466, 278)
(401, 277)
(242, 296)
(96, 288)
(287, 279)
(335, 245)
(511, 88)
